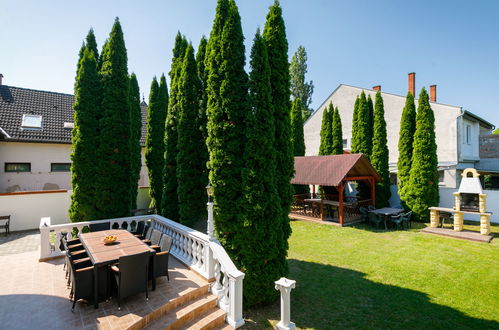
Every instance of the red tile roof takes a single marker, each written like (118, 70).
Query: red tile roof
(331, 170)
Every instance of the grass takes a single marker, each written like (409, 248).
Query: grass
(358, 277)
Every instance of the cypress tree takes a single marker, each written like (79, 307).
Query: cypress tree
(297, 139)
(135, 133)
(85, 139)
(190, 162)
(363, 140)
(355, 115)
(370, 118)
(227, 111)
(169, 200)
(422, 189)
(379, 157)
(326, 131)
(114, 148)
(155, 148)
(92, 43)
(259, 257)
(274, 34)
(406, 138)
(200, 59)
(336, 134)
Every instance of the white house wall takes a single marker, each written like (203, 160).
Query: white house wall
(344, 98)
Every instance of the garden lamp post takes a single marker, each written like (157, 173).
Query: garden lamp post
(209, 191)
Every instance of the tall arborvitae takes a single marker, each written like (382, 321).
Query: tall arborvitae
(325, 134)
(155, 148)
(163, 100)
(422, 189)
(379, 157)
(259, 257)
(370, 118)
(191, 163)
(202, 119)
(406, 138)
(169, 200)
(274, 34)
(227, 91)
(363, 140)
(336, 134)
(355, 115)
(297, 139)
(135, 133)
(85, 139)
(92, 43)
(114, 148)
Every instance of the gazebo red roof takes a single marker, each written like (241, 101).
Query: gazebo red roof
(332, 170)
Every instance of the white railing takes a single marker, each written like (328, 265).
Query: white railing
(191, 247)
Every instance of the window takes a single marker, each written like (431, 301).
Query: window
(441, 175)
(60, 167)
(345, 143)
(468, 134)
(17, 167)
(31, 122)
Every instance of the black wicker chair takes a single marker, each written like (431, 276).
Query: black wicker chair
(99, 226)
(82, 279)
(131, 275)
(159, 264)
(139, 229)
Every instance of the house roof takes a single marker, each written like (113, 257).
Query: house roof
(331, 170)
(54, 108)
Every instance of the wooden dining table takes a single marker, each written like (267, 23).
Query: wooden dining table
(102, 255)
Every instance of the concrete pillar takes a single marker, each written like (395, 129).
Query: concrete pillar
(434, 215)
(210, 226)
(285, 285)
(458, 221)
(457, 202)
(482, 202)
(484, 224)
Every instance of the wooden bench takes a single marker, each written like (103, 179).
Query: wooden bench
(6, 223)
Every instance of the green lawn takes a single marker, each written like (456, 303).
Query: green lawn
(364, 278)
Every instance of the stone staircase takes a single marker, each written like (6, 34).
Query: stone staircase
(196, 309)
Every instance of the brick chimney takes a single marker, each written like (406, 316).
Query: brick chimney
(433, 93)
(377, 88)
(412, 83)
(1, 76)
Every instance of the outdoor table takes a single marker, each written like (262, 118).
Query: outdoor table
(323, 202)
(387, 212)
(102, 255)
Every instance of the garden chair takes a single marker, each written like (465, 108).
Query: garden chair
(371, 208)
(82, 280)
(444, 216)
(364, 213)
(147, 238)
(139, 228)
(406, 218)
(155, 238)
(99, 226)
(159, 265)
(131, 274)
(397, 221)
(375, 219)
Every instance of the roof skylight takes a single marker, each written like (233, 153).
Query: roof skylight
(32, 121)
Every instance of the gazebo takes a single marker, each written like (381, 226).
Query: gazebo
(333, 173)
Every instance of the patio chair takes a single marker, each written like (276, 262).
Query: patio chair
(397, 220)
(406, 218)
(159, 265)
(147, 238)
(364, 213)
(131, 274)
(375, 218)
(155, 238)
(99, 226)
(444, 216)
(6, 223)
(139, 228)
(82, 280)
(371, 208)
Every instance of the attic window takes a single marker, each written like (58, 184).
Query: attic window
(31, 122)
(68, 125)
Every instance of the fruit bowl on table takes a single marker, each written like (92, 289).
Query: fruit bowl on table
(110, 239)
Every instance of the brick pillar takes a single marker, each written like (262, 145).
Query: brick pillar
(484, 224)
(433, 93)
(412, 83)
(458, 221)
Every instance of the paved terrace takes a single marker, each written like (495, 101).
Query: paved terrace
(34, 295)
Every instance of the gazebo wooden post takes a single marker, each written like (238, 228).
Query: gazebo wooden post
(313, 191)
(373, 195)
(340, 208)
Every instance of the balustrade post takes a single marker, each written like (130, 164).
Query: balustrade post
(235, 312)
(44, 238)
(285, 285)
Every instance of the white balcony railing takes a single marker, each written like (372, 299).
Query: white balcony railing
(193, 248)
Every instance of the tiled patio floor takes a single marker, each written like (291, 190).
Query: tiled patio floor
(19, 241)
(33, 295)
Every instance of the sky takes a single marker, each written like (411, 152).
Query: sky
(453, 44)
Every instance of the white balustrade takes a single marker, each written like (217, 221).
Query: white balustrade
(195, 249)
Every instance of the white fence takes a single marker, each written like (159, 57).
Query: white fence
(26, 208)
(193, 248)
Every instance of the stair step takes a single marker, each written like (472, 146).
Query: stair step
(213, 319)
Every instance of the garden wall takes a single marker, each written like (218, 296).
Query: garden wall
(27, 207)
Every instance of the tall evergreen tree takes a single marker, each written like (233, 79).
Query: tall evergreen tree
(155, 148)
(379, 157)
(227, 111)
(405, 145)
(85, 139)
(200, 59)
(260, 257)
(92, 43)
(370, 118)
(274, 34)
(169, 200)
(114, 147)
(297, 139)
(422, 189)
(355, 115)
(135, 133)
(336, 134)
(326, 131)
(363, 140)
(300, 89)
(191, 165)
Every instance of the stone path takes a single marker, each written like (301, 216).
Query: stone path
(19, 242)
